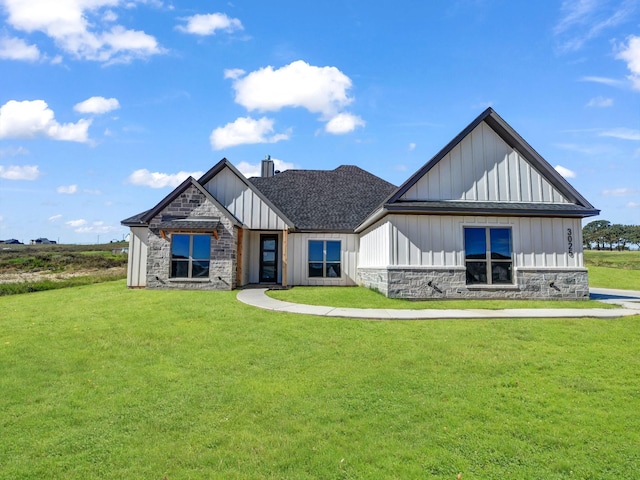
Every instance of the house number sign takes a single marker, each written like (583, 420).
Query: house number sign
(570, 242)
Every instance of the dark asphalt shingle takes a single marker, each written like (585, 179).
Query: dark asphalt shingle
(335, 200)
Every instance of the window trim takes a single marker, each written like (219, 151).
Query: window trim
(324, 260)
(191, 259)
(487, 260)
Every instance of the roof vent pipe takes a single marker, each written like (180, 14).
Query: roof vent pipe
(267, 167)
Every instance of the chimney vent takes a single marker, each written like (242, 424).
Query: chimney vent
(267, 167)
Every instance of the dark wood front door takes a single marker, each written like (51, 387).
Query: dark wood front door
(268, 258)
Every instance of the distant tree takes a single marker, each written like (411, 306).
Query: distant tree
(616, 236)
(633, 235)
(593, 233)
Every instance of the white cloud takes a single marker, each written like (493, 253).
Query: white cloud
(255, 169)
(78, 28)
(620, 192)
(612, 82)
(55, 218)
(233, 73)
(98, 227)
(245, 130)
(97, 105)
(92, 192)
(17, 49)
(565, 172)
(600, 102)
(14, 172)
(318, 89)
(76, 223)
(344, 123)
(144, 177)
(208, 24)
(631, 54)
(622, 133)
(632, 205)
(67, 189)
(583, 20)
(411, 147)
(13, 151)
(33, 118)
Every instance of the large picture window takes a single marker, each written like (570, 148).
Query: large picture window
(190, 256)
(324, 258)
(488, 256)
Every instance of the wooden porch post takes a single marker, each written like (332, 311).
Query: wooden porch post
(285, 259)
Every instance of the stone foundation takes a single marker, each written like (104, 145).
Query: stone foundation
(421, 283)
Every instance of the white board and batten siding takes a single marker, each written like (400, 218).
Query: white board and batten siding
(243, 203)
(375, 246)
(298, 255)
(137, 261)
(482, 167)
(438, 241)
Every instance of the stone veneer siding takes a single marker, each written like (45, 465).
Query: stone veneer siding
(222, 270)
(419, 283)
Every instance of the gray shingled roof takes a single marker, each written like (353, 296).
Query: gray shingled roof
(332, 200)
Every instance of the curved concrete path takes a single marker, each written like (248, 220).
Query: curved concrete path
(628, 299)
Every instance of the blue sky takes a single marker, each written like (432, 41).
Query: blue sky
(106, 105)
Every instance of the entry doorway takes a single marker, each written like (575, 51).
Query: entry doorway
(268, 258)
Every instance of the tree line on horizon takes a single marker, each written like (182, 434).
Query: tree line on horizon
(604, 235)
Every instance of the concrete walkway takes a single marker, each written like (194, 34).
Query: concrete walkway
(628, 299)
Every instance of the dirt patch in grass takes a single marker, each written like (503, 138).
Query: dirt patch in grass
(47, 275)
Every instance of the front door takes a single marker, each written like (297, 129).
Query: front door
(268, 258)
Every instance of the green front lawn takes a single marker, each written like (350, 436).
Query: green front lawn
(103, 382)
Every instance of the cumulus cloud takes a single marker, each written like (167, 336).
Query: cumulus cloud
(145, 178)
(565, 172)
(97, 105)
(600, 102)
(98, 227)
(412, 146)
(17, 49)
(245, 130)
(15, 172)
(630, 53)
(208, 24)
(255, 169)
(83, 28)
(632, 205)
(621, 133)
(76, 223)
(343, 123)
(34, 118)
(67, 189)
(318, 89)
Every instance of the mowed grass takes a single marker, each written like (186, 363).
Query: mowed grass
(613, 269)
(103, 382)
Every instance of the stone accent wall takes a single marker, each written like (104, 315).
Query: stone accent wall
(418, 283)
(222, 270)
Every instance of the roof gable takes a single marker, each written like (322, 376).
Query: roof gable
(488, 162)
(239, 196)
(190, 182)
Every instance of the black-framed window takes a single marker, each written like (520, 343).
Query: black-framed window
(190, 255)
(324, 258)
(488, 255)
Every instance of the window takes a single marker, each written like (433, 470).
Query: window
(324, 258)
(190, 256)
(487, 254)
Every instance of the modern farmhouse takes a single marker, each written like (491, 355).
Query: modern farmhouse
(487, 217)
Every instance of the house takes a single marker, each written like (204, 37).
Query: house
(487, 217)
